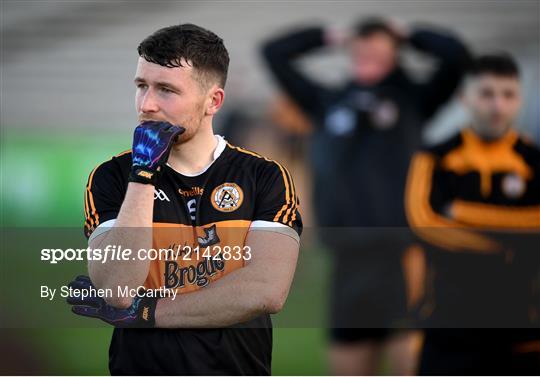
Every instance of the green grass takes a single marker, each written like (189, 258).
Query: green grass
(299, 352)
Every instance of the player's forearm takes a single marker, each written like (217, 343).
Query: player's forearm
(235, 298)
(138, 206)
(132, 230)
(445, 46)
(286, 47)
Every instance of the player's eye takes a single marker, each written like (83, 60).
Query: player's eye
(166, 90)
(141, 86)
(509, 94)
(486, 93)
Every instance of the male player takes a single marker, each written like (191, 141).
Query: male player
(364, 135)
(232, 213)
(475, 199)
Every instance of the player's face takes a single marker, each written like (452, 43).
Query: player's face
(493, 103)
(170, 94)
(373, 57)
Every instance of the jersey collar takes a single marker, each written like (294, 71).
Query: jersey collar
(221, 145)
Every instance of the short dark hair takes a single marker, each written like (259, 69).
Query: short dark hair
(373, 25)
(202, 48)
(501, 64)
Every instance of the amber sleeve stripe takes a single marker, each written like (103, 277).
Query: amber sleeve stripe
(429, 225)
(496, 216)
(91, 214)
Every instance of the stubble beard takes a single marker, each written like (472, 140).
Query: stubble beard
(192, 126)
(490, 133)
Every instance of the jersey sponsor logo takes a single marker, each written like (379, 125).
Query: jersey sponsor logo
(227, 197)
(200, 273)
(513, 186)
(160, 194)
(194, 191)
(210, 238)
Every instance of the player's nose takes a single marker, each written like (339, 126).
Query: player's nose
(148, 103)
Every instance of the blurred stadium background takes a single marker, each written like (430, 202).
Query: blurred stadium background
(67, 105)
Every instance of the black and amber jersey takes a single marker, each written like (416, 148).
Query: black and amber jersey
(238, 192)
(479, 200)
(468, 183)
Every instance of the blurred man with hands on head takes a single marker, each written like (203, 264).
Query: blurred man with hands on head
(364, 135)
(475, 201)
(179, 187)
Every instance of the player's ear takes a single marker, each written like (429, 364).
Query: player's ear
(216, 97)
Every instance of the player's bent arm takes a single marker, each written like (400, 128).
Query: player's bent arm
(260, 287)
(453, 60)
(132, 230)
(280, 54)
(427, 223)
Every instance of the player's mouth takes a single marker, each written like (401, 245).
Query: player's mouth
(151, 119)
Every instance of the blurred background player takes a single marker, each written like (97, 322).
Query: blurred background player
(475, 199)
(364, 135)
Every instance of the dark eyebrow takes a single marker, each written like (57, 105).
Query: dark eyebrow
(161, 84)
(164, 84)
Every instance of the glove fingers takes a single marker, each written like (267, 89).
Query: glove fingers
(149, 124)
(83, 278)
(85, 311)
(82, 281)
(95, 302)
(175, 132)
(178, 130)
(77, 284)
(82, 284)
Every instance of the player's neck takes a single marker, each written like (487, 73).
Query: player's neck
(194, 155)
(492, 139)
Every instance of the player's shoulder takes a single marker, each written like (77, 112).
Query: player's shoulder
(528, 149)
(254, 163)
(118, 166)
(444, 147)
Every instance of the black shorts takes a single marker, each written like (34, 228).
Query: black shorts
(368, 296)
(473, 290)
(479, 352)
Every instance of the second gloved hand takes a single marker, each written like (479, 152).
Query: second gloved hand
(141, 313)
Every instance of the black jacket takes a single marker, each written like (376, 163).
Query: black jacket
(364, 136)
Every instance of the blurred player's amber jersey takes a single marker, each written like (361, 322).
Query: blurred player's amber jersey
(468, 183)
(476, 204)
(210, 212)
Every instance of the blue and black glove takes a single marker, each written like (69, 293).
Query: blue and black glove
(141, 313)
(152, 143)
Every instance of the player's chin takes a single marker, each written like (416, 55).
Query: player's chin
(499, 127)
